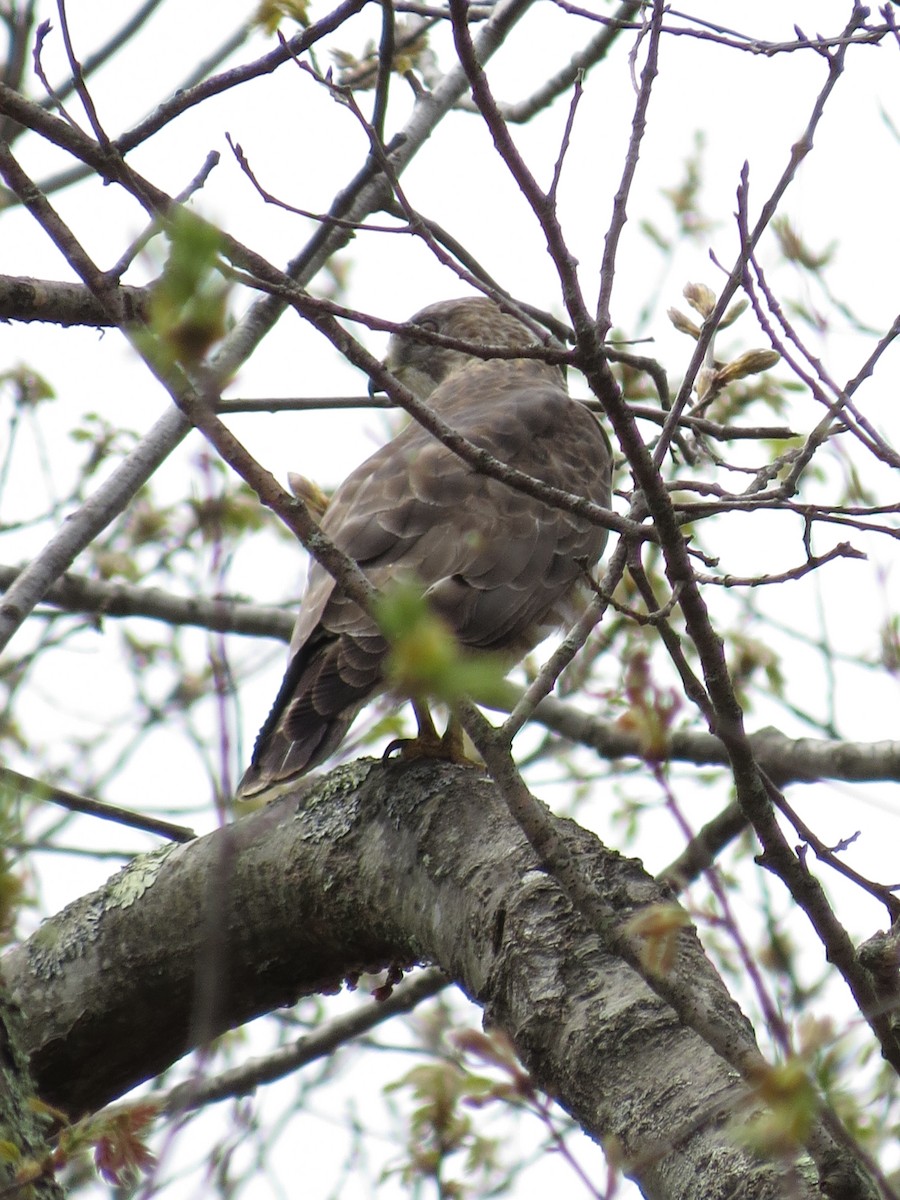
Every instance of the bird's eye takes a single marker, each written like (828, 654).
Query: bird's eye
(428, 325)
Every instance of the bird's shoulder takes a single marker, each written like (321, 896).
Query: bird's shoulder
(517, 410)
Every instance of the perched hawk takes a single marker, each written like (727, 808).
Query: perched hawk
(501, 568)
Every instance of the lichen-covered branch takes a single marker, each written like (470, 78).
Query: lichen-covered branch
(400, 864)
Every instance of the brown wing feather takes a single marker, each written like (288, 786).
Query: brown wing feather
(499, 566)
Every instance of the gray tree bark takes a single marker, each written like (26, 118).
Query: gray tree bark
(390, 865)
(25, 1158)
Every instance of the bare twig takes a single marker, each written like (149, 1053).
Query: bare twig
(712, 429)
(577, 91)
(722, 35)
(49, 793)
(546, 678)
(839, 410)
(597, 48)
(828, 855)
(799, 151)
(385, 67)
(42, 30)
(322, 218)
(620, 203)
(130, 253)
(80, 86)
(843, 550)
(472, 64)
(245, 1079)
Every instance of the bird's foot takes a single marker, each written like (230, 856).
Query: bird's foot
(448, 748)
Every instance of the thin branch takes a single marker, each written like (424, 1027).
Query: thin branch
(130, 253)
(799, 151)
(40, 34)
(385, 67)
(472, 65)
(77, 593)
(546, 678)
(320, 1043)
(716, 34)
(49, 793)
(828, 854)
(813, 562)
(81, 89)
(841, 409)
(521, 111)
(577, 92)
(712, 429)
(276, 404)
(671, 639)
(620, 203)
(321, 218)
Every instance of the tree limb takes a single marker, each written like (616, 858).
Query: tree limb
(51, 301)
(374, 866)
(77, 593)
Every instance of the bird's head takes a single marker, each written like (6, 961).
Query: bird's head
(421, 365)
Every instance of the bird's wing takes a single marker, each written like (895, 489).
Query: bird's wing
(499, 566)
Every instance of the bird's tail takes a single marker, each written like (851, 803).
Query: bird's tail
(324, 687)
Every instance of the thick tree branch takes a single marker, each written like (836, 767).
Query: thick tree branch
(51, 301)
(787, 760)
(27, 1167)
(380, 865)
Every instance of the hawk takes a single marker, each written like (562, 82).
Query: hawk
(501, 568)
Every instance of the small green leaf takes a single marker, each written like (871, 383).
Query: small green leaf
(189, 303)
(425, 657)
